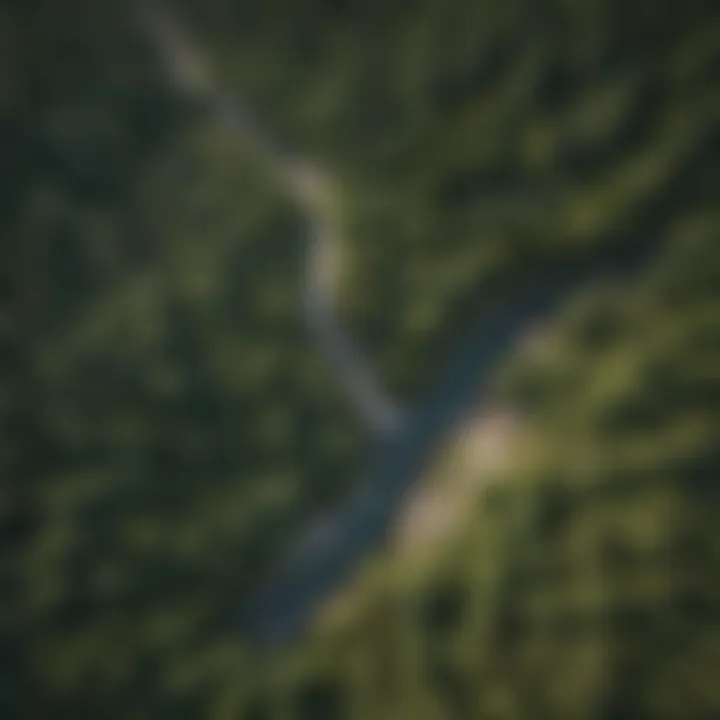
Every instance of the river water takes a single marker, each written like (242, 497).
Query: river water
(330, 548)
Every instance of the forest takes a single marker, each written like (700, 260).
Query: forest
(169, 424)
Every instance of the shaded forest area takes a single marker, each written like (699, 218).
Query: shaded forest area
(167, 424)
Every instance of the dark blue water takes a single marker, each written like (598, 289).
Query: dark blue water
(331, 548)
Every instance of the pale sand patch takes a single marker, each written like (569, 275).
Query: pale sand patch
(479, 456)
(438, 505)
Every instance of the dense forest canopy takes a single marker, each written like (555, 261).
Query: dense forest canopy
(168, 423)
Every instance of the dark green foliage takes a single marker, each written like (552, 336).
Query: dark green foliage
(166, 423)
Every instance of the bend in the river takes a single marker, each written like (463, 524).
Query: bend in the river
(333, 545)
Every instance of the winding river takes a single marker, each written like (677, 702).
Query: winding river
(332, 546)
